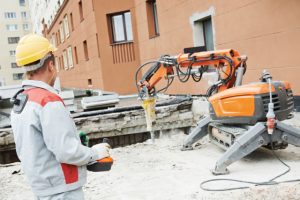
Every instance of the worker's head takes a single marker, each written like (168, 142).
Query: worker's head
(34, 53)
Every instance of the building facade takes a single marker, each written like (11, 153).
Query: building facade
(14, 23)
(101, 43)
(43, 11)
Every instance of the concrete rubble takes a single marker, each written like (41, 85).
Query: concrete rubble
(124, 125)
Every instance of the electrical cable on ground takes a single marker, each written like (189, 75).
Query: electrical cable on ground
(270, 182)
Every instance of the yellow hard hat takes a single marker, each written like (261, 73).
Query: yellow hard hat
(31, 48)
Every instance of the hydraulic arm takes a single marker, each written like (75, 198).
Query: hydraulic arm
(193, 65)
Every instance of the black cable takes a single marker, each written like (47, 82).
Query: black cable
(197, 78)
(270, 182)
(186, 74)
(168, 85)
(139, 69)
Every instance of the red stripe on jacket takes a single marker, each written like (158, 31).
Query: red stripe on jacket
(42, 97)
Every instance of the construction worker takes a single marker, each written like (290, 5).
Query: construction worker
(47, 143)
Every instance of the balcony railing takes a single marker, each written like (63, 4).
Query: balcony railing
(123, 52)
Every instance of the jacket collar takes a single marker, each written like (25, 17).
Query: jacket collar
(39, 84)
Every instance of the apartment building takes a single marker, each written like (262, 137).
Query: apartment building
(89, 55)
(14, 23)
(101, 43)
(43, 11)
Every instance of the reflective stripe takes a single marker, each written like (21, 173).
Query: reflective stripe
(41, 96)
(70, 173)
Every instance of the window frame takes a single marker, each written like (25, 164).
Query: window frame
(24, 15)
(70, 57)
(22, 2)
(61, 32)
(10, 15)
(124, 27)
(72, 22)
(13, 40)
(53, 40)
(80, 7)
(86, 50)
(155, 18)
(13, 65)
(11, 25)
(57, 63)
(25, 25)
(16, 76)
(65, 60)
(12, 52)
(76, 56)
(66, 26)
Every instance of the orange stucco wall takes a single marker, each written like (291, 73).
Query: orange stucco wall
(78, 76)
(267, 31)
(117, 76)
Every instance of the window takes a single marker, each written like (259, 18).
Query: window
(86, 53)
(25, 27)
(12, 53)
(57, 63)
(62, 34)
(98, 45)
(152, 18)
(203, 34)
(13, 40)
(121, 27)
(60, 62)
(66, 26)
(53, 40)
(65, 60)
(10, 15)
(70, 57)
(72, 24)
(14, 65)
(18, 76)
(24, 15)
(80, 10)
(57, 37)
(22, 2)
(11, 27)
(90, 82)
(76, 57)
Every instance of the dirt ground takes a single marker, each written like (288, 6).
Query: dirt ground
(161, 171)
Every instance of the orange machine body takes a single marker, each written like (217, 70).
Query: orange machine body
(248, 104)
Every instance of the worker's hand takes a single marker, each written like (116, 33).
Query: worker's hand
(102, 150)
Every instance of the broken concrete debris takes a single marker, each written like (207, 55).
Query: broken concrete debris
(124, 125)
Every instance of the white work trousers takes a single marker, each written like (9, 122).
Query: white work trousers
(70, 195)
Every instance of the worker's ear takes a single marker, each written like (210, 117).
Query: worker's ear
(51, 66)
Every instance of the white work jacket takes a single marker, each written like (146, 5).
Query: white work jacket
(47, 143)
